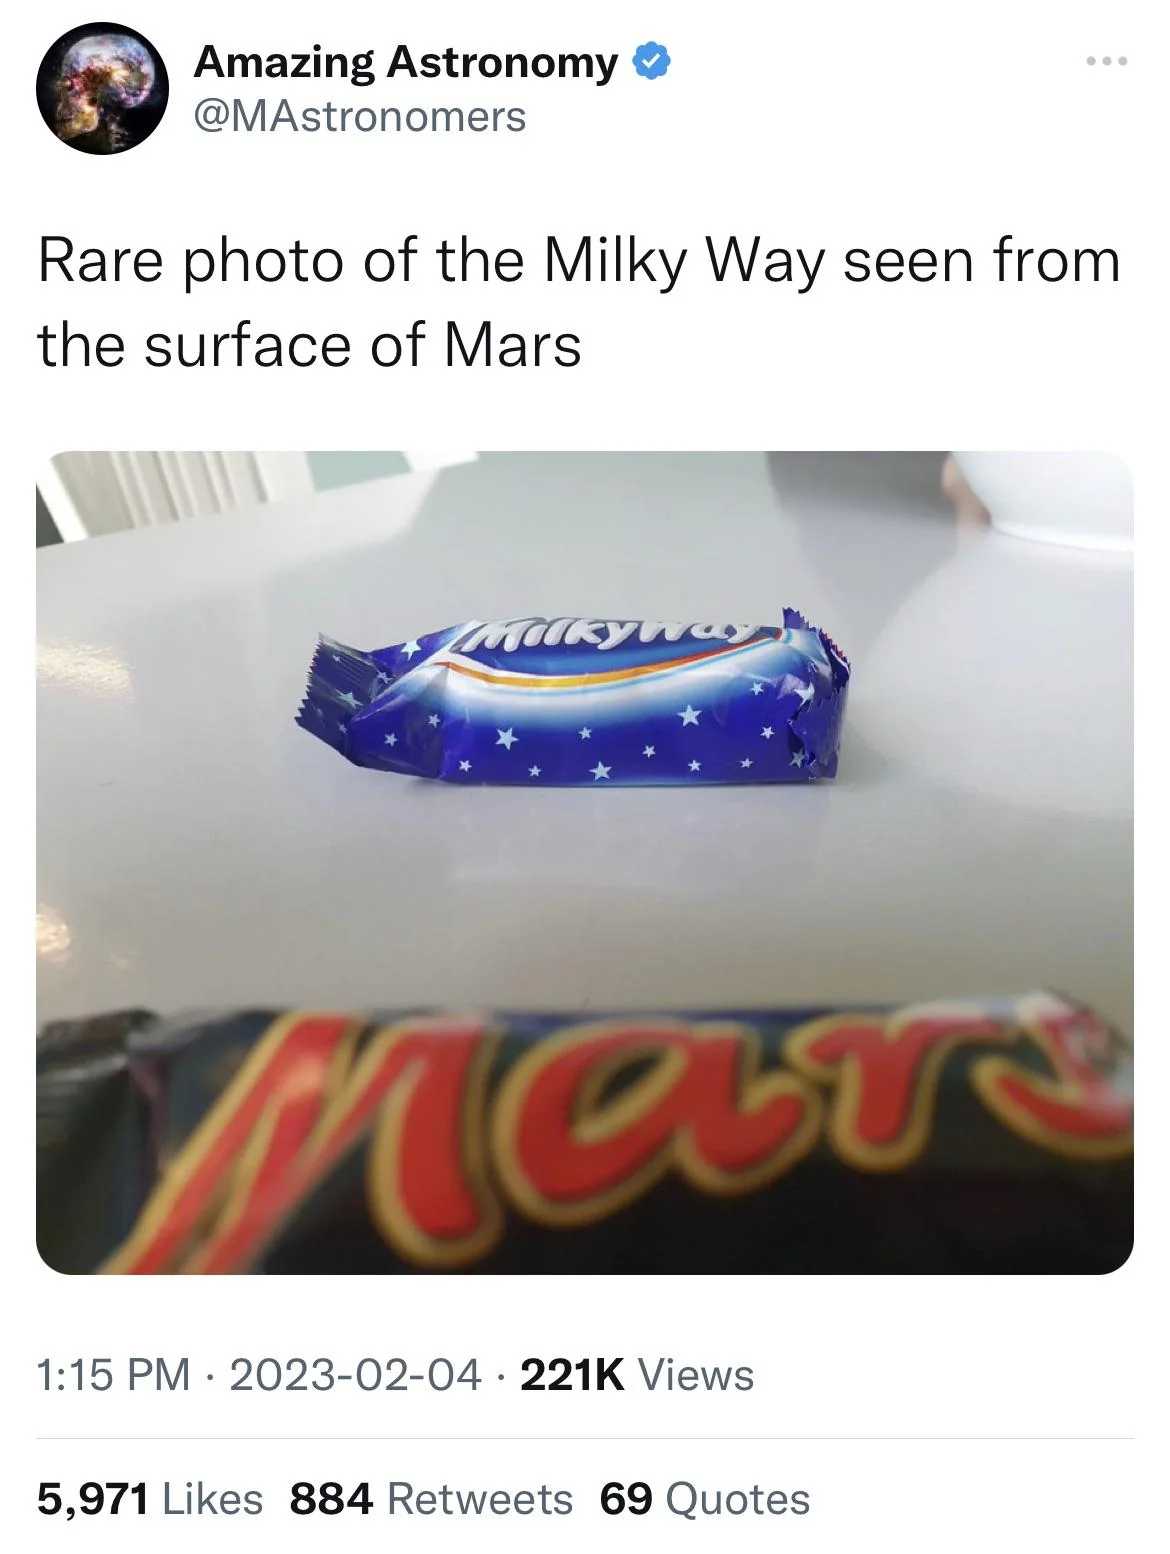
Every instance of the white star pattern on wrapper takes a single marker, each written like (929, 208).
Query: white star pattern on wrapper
(441, 717)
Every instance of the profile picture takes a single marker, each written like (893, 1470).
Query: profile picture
(102, 88)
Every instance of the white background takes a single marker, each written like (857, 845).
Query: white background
(853, 124)
(975, 840)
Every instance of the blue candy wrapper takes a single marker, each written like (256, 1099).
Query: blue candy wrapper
(584, 702)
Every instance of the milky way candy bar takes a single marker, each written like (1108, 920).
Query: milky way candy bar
(989, 1136)
(587, 702)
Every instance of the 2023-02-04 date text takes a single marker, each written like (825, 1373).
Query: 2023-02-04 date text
(370, 1373)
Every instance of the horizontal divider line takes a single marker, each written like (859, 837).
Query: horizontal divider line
(715, 1439)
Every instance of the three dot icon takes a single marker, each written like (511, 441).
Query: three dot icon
(1107, 60)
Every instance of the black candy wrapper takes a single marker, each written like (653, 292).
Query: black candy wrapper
(989, 1136)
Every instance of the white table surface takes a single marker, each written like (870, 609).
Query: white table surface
(196, 848)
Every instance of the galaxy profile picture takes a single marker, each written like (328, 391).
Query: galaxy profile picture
(102, 88)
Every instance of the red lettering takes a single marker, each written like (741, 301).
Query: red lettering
(590, 1119)
(1085, 1106)
(884, 1071)
(276, 1094)
(297, 1106)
